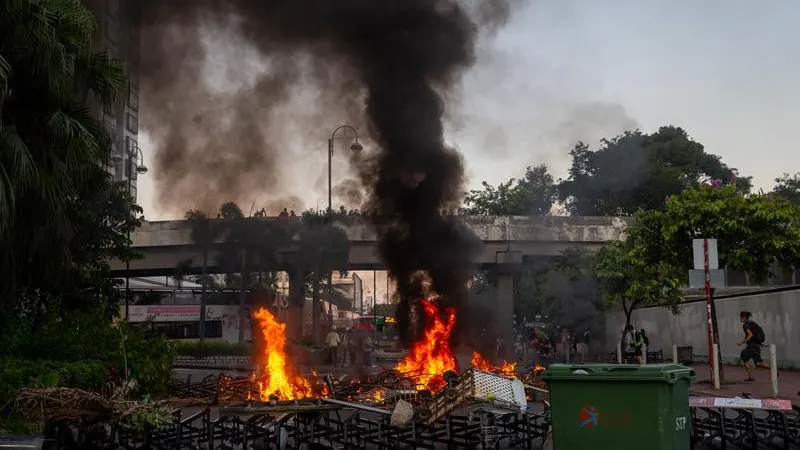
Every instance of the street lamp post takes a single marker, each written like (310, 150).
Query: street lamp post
(134, 156)
(355, 147)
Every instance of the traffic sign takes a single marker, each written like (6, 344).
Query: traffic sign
(698, 253)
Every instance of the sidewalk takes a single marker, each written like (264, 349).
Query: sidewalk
(788, 383)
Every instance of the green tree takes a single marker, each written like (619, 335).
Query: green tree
(532, 195)
(249, 245)
(638, 272)
(788, 188)
(753, 231)
(59, 213)
(636, 171)
(322, 249)
(569, 292)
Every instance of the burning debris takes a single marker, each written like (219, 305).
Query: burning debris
(508, 369)
(431, 356)
(279, 380)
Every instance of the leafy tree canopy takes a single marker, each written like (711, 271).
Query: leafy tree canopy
(60, 215)
(753, 232)
(533, 194)
(636, 171)
(788, 188)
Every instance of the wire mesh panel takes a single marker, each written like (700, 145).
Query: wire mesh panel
(488, 386)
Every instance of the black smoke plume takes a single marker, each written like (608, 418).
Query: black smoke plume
(386, 66)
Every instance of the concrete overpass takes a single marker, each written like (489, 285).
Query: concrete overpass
(506, 240)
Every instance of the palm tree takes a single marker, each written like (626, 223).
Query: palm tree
(52, 146)
(322, 248)
(251, 244)
(204, 233)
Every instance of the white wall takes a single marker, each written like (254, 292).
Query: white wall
(775, 312)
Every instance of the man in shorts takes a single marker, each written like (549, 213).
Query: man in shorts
(752, 343)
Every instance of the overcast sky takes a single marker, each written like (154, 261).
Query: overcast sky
(565, 70)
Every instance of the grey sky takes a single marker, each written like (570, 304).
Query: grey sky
(561, 71)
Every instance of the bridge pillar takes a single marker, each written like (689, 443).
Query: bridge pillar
(508, 262)
(505, 307)
(297, 297)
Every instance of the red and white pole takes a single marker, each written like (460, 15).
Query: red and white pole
(711, 356)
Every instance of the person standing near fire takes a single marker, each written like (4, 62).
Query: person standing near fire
(333, 340)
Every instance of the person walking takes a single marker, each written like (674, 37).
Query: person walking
(333, 340)
(752, 343)
(638, 343)
(582, 345)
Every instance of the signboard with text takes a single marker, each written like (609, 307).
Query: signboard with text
(172, 313)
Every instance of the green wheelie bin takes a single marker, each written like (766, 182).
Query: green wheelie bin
(620, 407)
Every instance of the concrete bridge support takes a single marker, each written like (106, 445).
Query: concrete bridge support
(297, 297)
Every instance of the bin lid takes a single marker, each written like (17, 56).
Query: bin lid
(667, 373)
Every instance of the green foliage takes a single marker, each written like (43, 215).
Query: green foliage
(82, 336)
(752, 231)
(636, 171)
(58, 208)
(534, 194)
(788, 188)
(212, 349)
(149, 358)
(630, 273)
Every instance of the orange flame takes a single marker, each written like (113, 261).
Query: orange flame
(431, 356)
(279, 379)
(508, 369)
(539, 368)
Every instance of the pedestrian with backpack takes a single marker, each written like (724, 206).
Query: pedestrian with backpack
(752, 343)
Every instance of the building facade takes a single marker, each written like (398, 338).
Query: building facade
(118, 35)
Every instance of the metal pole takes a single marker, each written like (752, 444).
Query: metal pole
(675, 354)
(711, 355)
(330, 214)
(128, 263)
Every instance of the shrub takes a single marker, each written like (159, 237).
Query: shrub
(214, 348)
(148, 357)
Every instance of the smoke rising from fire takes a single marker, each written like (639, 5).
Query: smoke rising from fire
(386, 67)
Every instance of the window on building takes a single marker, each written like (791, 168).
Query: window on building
(119, 169)
(130, 145)
(133, 99)
(132, 123)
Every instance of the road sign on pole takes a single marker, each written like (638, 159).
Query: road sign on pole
(708, 255)
(699, 254)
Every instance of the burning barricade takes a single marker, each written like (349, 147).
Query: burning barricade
(426, 385)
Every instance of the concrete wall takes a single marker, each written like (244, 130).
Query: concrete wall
(774, 311)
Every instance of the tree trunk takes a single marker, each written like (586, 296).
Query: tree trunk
(715, 335)
(204, 282)
(315, 311)
(628, 313)
(243, 298)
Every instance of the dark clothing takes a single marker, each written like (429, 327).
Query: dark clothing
(637, 351)
(333, 355)
(751, 353)
(755, 330)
